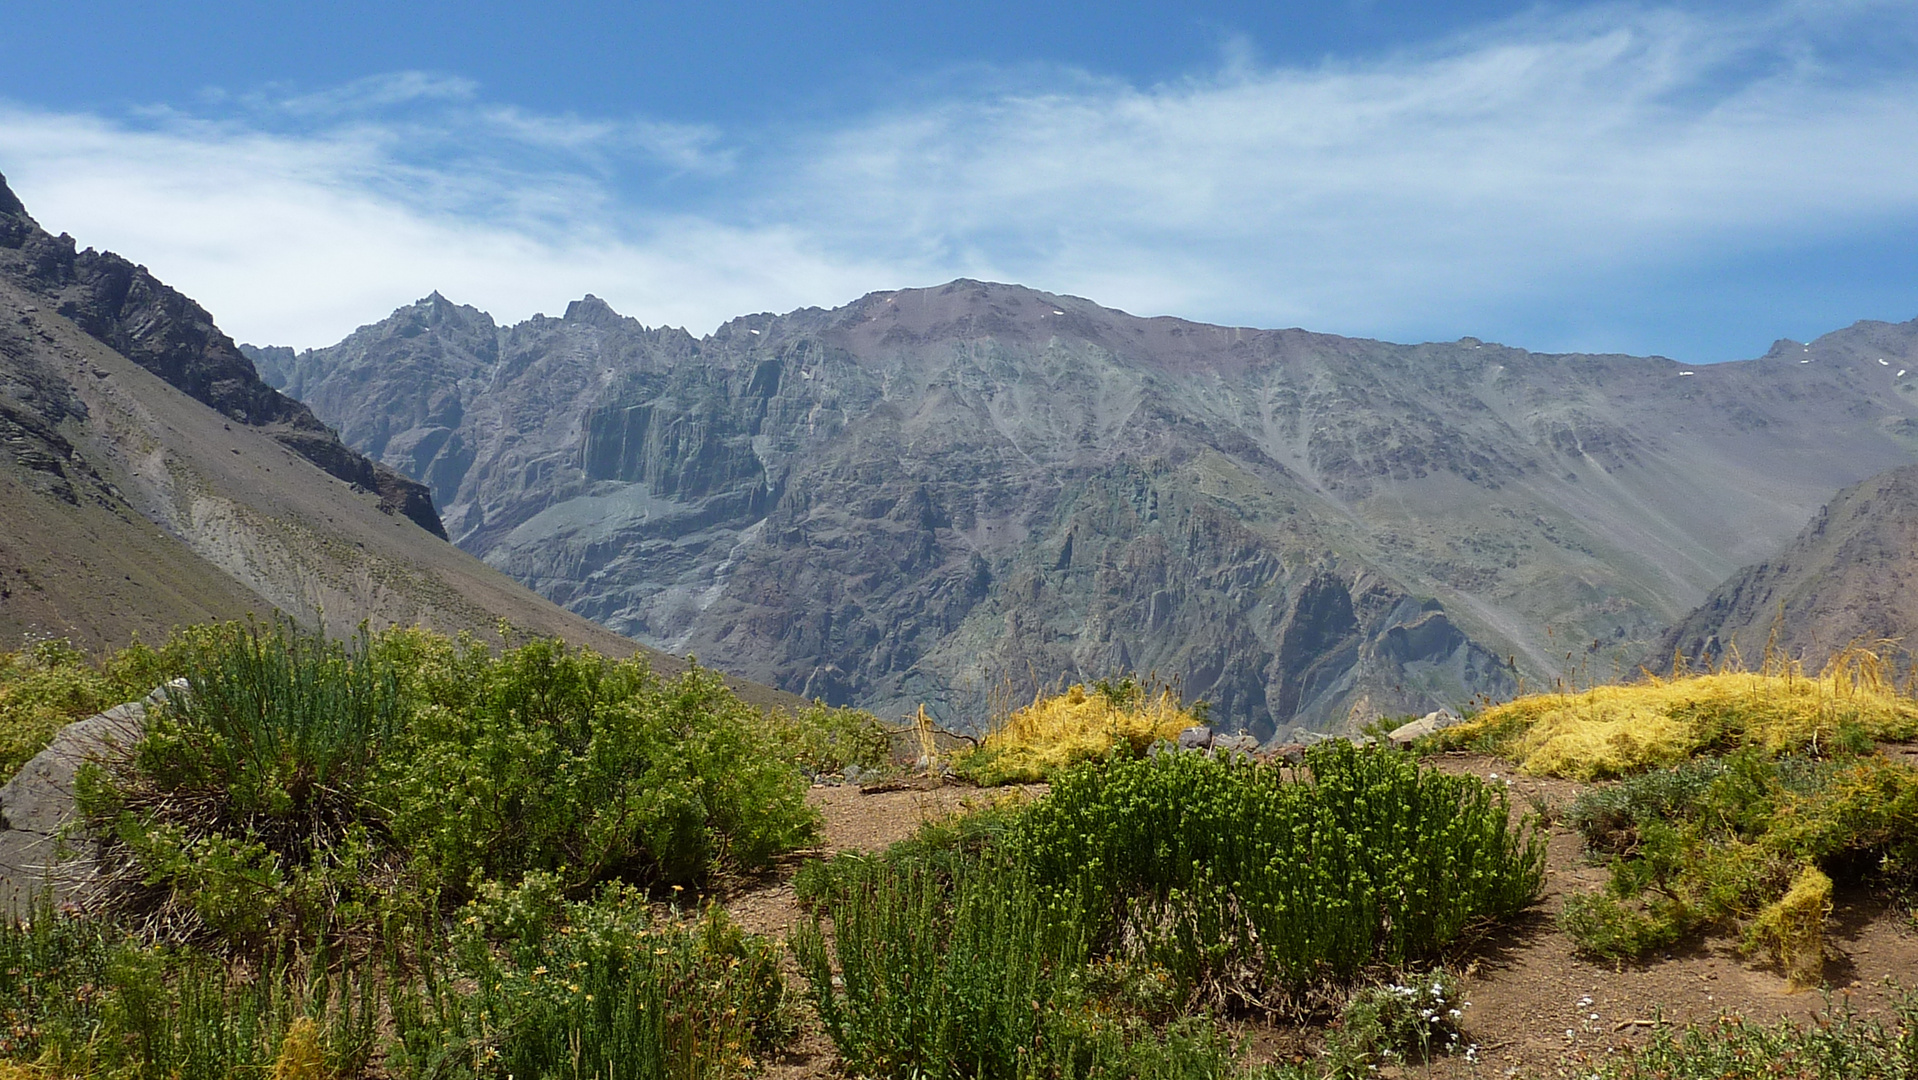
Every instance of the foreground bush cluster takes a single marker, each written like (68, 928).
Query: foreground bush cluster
(311, 788)
(412, 856)
(1091, 933)
(1745, 842)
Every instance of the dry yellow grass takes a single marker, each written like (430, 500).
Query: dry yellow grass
(1617, 729)
(301, 1057)
(1078, 725)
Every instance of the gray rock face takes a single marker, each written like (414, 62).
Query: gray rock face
(948, 494)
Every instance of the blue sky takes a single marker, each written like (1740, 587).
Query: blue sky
(1692, 179)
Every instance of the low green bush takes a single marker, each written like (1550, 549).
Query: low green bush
(1838, 1045)
(944, 847)
(1104, 921)
(302, 789)
(823, 740)
(529, 985)
(1747, 841)
(1260, 884)
(83, 1000)
(539, 987)
(1415, 1020)
(935, 975)
(560, 760)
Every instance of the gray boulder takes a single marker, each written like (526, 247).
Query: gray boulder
(1196, 738)
(38, 802)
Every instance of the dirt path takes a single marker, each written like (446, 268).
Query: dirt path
(1538, 1008)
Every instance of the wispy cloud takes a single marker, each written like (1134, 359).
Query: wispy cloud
(1531, 162)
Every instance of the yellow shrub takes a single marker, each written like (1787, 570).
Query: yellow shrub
(301, 1056)
(1793, 927)
(1078, 725)
(1611, 730)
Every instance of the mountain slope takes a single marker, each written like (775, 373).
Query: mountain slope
(1851, 577)
(128, 310)
(943, 494)
(136, 504)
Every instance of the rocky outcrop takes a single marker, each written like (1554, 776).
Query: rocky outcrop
(1850, 578)
(956, 495)
(38, 804)
(135, 314)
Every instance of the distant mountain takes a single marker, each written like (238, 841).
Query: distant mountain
(1851, 577)
(948, 494)
(151, 479)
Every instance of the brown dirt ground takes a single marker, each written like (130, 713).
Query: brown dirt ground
(1538, 1009)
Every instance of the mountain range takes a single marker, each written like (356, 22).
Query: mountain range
(151, 479)
(958, 495)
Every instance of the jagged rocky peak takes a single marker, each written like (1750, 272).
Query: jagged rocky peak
(592, 311)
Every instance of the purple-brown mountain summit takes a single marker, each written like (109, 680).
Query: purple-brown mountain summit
(942, 494)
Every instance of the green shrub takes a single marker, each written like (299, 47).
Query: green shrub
(1080, 1041)
(531, 985)
(1273, 881)
(1411, 1021)
(1838, 1046)
(303, 789)
(1741, 841)
(562, 760)
(598, 988)
(934, 975)
(823, 740)
(1082, 934)
(89, 1001)
(944, 847)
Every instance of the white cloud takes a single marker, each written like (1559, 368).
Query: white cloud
(1526, 160)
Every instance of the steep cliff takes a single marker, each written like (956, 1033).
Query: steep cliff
(945, 494)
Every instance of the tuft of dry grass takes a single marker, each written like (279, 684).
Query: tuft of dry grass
(1080, 724)
(301, 1056)
(1617, 729)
